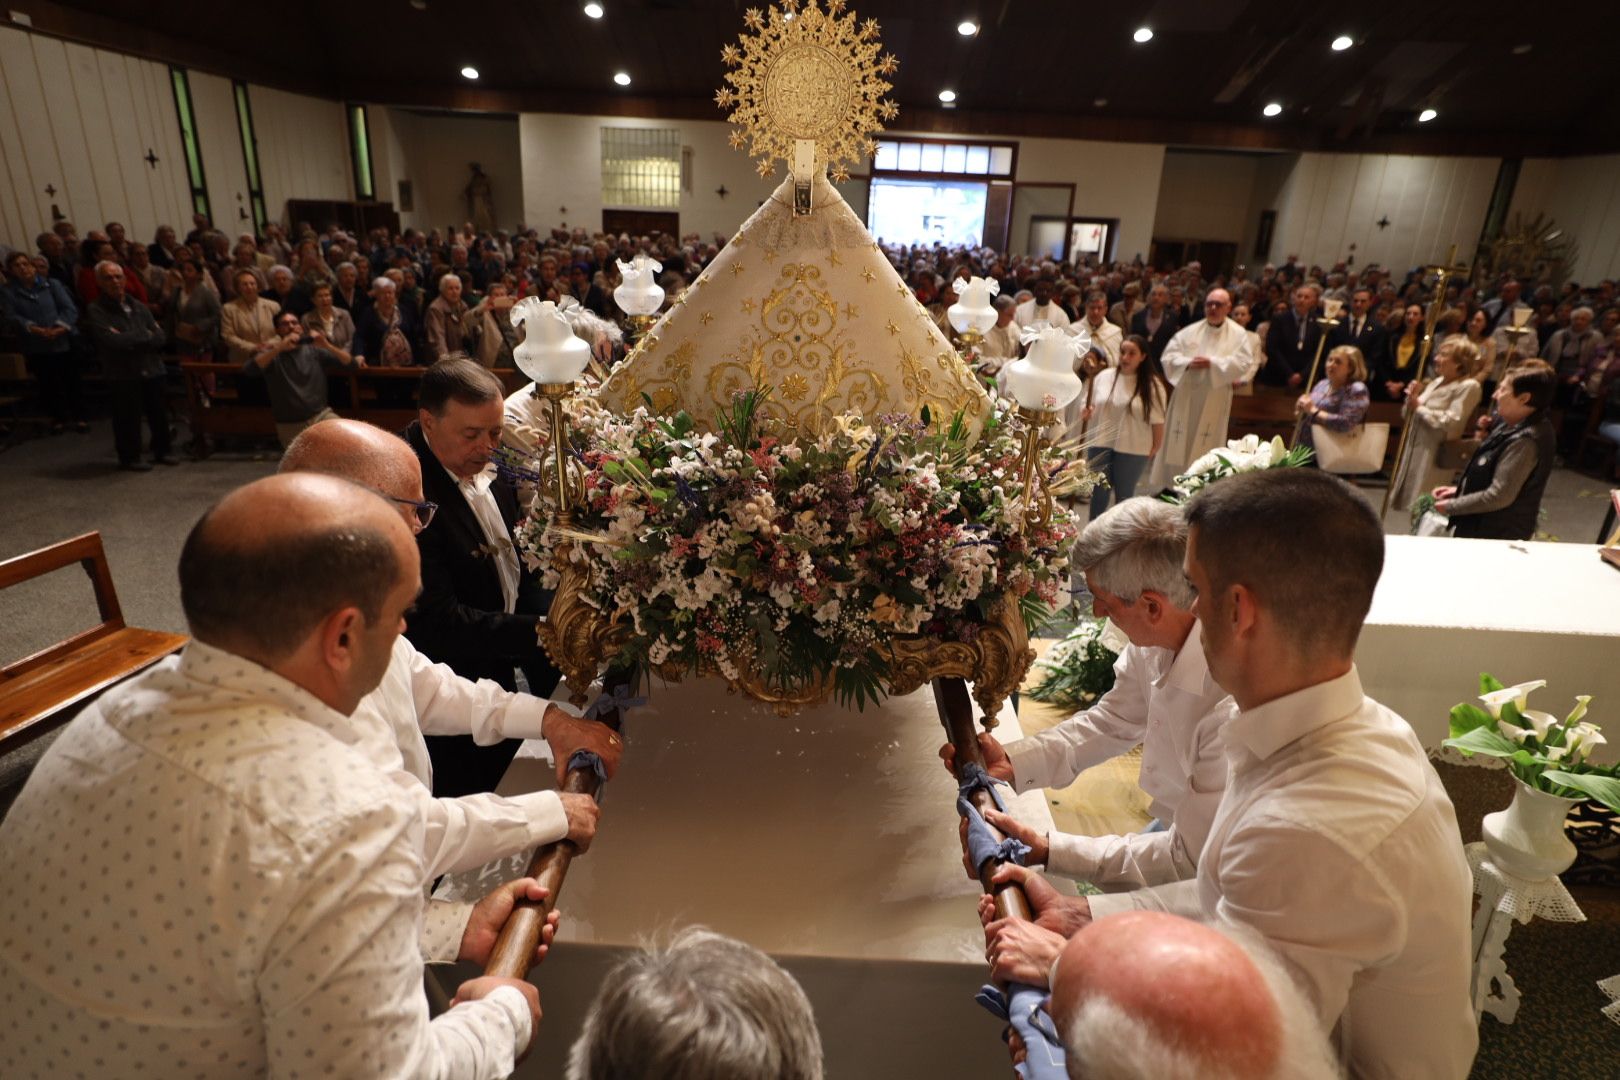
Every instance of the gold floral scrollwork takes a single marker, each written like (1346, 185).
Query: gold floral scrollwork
(995, 661)
(580, 639)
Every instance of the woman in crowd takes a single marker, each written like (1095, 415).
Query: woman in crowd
(1243, 315)
(196, 314)
(1499, 495)
(39, 311)
(1478, 331)
(249, 321)
(329, 319)
(1437, 412)
(1338, 402)
(1125, 422)
(1407, 356)
(163, 246)
(388, 332)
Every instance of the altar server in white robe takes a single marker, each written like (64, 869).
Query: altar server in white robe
(206, 877)
(1041, 307)
(1202, 362)
(1164, 700)
(1105, 340)
(418, 697)
(1334, 840)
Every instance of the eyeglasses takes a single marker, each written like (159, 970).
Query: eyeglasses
(424, 509)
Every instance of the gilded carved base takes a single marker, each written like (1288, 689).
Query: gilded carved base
(581, 641)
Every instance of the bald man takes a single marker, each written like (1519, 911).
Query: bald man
(1202, 362)
(206, 877)
(1158, 997)
(418, 697)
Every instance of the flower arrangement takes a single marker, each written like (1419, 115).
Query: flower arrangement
(1247, 454)
(1079, 669)
(1543, 752)
(742, 553)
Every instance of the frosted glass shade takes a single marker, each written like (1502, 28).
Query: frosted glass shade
(549, 354)
(639, 293)
(1045, 379)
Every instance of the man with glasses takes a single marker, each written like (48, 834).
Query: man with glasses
(418, 697)
(1202, 362)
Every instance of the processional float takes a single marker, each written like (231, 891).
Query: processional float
(799, 354)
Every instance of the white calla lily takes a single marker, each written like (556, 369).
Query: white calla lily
(1516, 694)
(1512, 731)
(1556, 753)
(1583, 739)
(1581, 702)
(1540, 721)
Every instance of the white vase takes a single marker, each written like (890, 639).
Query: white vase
(1527, 839)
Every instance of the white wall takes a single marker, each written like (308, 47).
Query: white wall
(1206, 197)
(433, 152)
(1331, 201)
(562, 173)
(303, 148)
(80, 121)
(1582, 196)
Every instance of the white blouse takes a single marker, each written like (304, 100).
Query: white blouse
(1117, 420)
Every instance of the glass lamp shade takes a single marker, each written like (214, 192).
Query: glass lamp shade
(549, 354)
(973, 312)
(1045, 379)
(1521, 317)
(1332, 308)
(639, 293)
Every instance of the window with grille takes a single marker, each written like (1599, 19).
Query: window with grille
(937, 157)
(641, 167)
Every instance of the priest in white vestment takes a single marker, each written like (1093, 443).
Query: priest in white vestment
(1202, 362)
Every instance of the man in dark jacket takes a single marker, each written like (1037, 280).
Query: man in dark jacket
(1291, 342)
(127, 340)
(42, 315)
(1361, 327)
(479, 609)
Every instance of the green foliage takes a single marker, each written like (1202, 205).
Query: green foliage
(1078, 670)
(1467, 717)
(1594, 785)
(1550, 757)
(1420, 506)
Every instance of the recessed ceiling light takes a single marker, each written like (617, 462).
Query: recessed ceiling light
(1520, 50)
(1272, 109)
(469, 72)
(622, 78)
(1100, 103)
(1342, 42)
(1426, 115)
(1142, 36)
(947, 96)
(967, 28)
(419, 5)
(593, 11)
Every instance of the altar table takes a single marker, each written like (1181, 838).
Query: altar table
(828, 840)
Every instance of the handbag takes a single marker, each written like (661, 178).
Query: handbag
(1432, 524)
(1348, 452)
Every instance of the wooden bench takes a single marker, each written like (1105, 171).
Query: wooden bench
(236, 403)
(41, 692)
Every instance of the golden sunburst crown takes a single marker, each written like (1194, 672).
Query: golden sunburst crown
(807, 71)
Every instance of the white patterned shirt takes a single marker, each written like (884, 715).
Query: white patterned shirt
(1170, 704)
(1336, 842)
(203, 881)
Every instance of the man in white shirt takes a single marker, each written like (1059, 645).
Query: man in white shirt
(1163, 699)
(1202, 362)
(1040, 307)
(1334, 840)
(418, 697)
(206, 877)
(1105, 336)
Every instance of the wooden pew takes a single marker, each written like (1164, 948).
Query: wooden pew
(41, 692)
(238, 406)
(1269, 411)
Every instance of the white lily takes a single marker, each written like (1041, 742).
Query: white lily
(1583, 739)
(1556, 753)
(1581, 701)
(1512, 731)
(1539, 721)
(1516, 694)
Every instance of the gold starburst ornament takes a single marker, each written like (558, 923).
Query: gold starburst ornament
(806, 87)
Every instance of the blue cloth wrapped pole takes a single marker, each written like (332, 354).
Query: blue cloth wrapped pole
(981, 840)
(1023, 1007)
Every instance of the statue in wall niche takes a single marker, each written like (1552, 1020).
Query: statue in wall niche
(480, 200)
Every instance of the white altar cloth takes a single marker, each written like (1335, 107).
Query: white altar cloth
(828, 840)
(1447, 609)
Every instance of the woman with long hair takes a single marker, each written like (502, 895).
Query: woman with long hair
(1125, 422)
(1407, 356)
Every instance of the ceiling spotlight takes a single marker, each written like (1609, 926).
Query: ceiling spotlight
(967, 28)
(947, 96)
(593, 11)
(622, 78)
(1426, 115)
(419, 5)
(469, 72)
(1142, 36)
(1520, 50)
(1342, 42)
(1272, 109)
(1100, 103)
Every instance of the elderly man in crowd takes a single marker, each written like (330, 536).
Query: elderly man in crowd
(418, 697)
(705, 1006)
(1164, 699)
(280, 877)
(1203, 362)
(480, 610)
(293, 365)
(1291, 341)
(1372, 921)
(127, 340)
(1152, 996)
(450, 324)
(1156, 322)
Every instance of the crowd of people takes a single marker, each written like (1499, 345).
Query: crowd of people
(412, 298)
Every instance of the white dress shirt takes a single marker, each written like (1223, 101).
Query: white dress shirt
(204, 881)
(418, 697)
(476, 491)
(1168, 702)
(1337, 843)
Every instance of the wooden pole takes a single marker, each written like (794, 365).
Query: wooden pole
(1326, 324)
(956, 714)
(514, 949)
